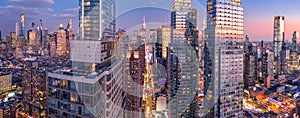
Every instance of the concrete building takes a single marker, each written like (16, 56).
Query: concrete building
(5, 82)
(7, 110)
(34, 101)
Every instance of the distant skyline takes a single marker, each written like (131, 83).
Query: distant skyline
(259, 14)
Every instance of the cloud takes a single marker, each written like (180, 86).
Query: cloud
(72, 10)
(11, 14)
(50, 9)
(64, 15)
(32, 3)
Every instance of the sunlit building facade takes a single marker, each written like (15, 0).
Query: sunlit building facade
(225, 35)
(61, 47)
(279, 32)
(181, 4)
(166, 39)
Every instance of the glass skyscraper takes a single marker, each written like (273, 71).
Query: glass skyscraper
(97, 19)
(92, 87)
(225, 34)
(279, 27)
(182, 60)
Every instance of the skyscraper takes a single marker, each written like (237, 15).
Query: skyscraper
(92, 87)
(279, 32)
(17, 30)
(158, 44)
(295, 42)
(225, 34)
(166, 39)
(182, 61)
(97, 19)
(143, 30)
(133, 83)
(69, 35)
(61, 48)
(22, 26)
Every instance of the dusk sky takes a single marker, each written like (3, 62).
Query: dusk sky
(259, 14)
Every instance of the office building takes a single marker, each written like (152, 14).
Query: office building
(279, 33)
(133, 83)
(166, 39)
(181, 4)
(283, 56)
(61, 48)
(7, 110)
(18, 53)
(22, 26)
(34, 101)
(158, 44)
(31, 37)
(182, 57)
(153, 36)
(5, 82)
(143, 30)
(97, 19)
(17, 30)
(295, 42)
(92, 87)
(69, 36)
(270, 61)
(225, 35)
(94, 80)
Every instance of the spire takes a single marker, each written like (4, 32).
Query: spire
(144, 23)
(41, 23)
(32, 25)
(69, 24)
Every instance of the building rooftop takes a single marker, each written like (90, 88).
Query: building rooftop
(4, 73)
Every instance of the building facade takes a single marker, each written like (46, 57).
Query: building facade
(279, 32)
(92, 87)
(5, 82)
(97, 19)
(225, 35)
(61, 47)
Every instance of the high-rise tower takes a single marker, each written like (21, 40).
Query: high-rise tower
(295, 42)
(97, 19)
(22, 26)
(92, 87)
(279, 29)
(61, 48)
(225, 35)
(182, 61)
